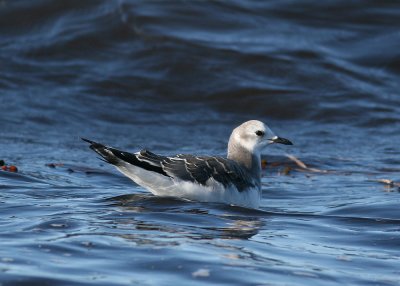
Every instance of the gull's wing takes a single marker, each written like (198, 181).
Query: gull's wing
(196, 169)
(199, 169)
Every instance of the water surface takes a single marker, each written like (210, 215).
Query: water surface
(177, 77)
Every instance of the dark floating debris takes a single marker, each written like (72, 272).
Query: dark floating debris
(388, 182)
(286, 171)
(53, 165)
(73, 168)
(11, 168)
(294, 164)
(390, 185)
(264, 164)
(304, 167)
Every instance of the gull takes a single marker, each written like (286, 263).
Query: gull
(234, 180)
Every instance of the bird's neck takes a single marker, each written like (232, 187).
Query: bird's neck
(248, 159)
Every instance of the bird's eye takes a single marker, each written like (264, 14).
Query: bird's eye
(260, 133)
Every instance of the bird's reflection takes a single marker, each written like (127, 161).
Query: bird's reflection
(163, 220)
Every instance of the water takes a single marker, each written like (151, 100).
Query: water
(176, 77)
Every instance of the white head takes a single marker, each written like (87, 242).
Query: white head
(254, 135)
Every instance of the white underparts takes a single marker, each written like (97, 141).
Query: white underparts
(213, 191)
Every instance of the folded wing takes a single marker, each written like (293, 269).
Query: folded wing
(200, 169)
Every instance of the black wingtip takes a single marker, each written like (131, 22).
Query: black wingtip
(94, 145)
(87, 140)
(106, 153)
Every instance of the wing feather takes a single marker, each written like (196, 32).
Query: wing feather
(201, 169)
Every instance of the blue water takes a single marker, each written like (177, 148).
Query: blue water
(177, 77)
